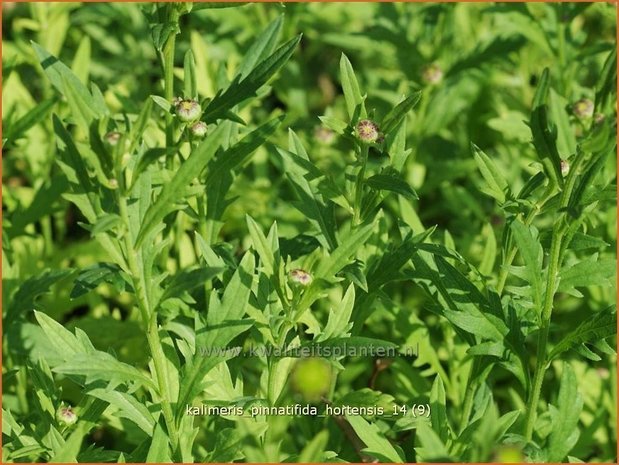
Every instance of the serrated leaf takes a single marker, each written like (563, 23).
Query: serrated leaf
(262, 46)
(128, 407)
(588, 272)
(392, 183)
(57, 72)
(399, 112)
(600, 325)
(159, 450)
(189, 66)
(339, 318)
(438, 416)
(174, 190)
(496, 184)
(91, 277)
(26, 295)
(187, 280)
(242, 88)
(97, 365)
(350, 86)
(565, 420)
(375, 443)
(531, 252)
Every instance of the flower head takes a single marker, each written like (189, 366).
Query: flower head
(583, 109)
(112, 137)
(324, 135)
(187, 110)
(565, 167)
(301, 277)
(66, 416)
(432, 74)
(598, 118)
(367, 131)
(198, 129)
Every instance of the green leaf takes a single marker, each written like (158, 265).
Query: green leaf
(242, 88)
(91, 277)
(544, 136)
(33, 117)
(334, 124)
(262, 46)
(352, 93)
(339, 319)
(159, 451)
(392, 183)
(531, 252)
(261, 245)
(399, 112)
(313, 451)
(375, 443)
(173, 191)
(565, 431)
(438, 416)
(26, 295)
(62, 340)
(128, 407)
(566, 140)
(433, 449)
(137, 130)
(599, 326)
(191, 86)
(496, 184)
(187, 280)
(588, 272)
(340, 257)
(62, 78)
(82, 113)
(238, 154)
(97, 365)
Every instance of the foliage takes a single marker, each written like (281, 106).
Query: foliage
(434, 182)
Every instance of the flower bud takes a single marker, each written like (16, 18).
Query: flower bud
(432, 74)
(324, 135)
(565, 167)
(583, 109)
(311, 378)
(66, 416)
(112, 138)
(187, 110)
(367, 131)
(301, 277)
(598, 119)
(112, 183)
(198, 129)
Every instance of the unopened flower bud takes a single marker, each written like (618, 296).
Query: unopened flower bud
(112, 183)
(198, 129)
(432, 74)
(367, 131)
(565, 167)
(583, 109)
(301, 277)
(66, 416)
(598, 118)
(112, 137)
(187, 110)
(324, 135)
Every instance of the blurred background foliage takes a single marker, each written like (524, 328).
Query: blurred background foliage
(490, 55)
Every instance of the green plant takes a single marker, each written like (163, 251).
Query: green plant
(227, 232)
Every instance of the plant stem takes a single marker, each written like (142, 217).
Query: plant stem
(149, 317)
(168, 73)
(363, 160)
(554, 264)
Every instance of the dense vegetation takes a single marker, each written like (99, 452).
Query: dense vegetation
(422, 194)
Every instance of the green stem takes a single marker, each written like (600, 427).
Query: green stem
(168, 73)
(363, 160)
(149, 317)
(554, 263)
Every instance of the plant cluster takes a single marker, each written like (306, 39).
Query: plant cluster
(189, 210)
